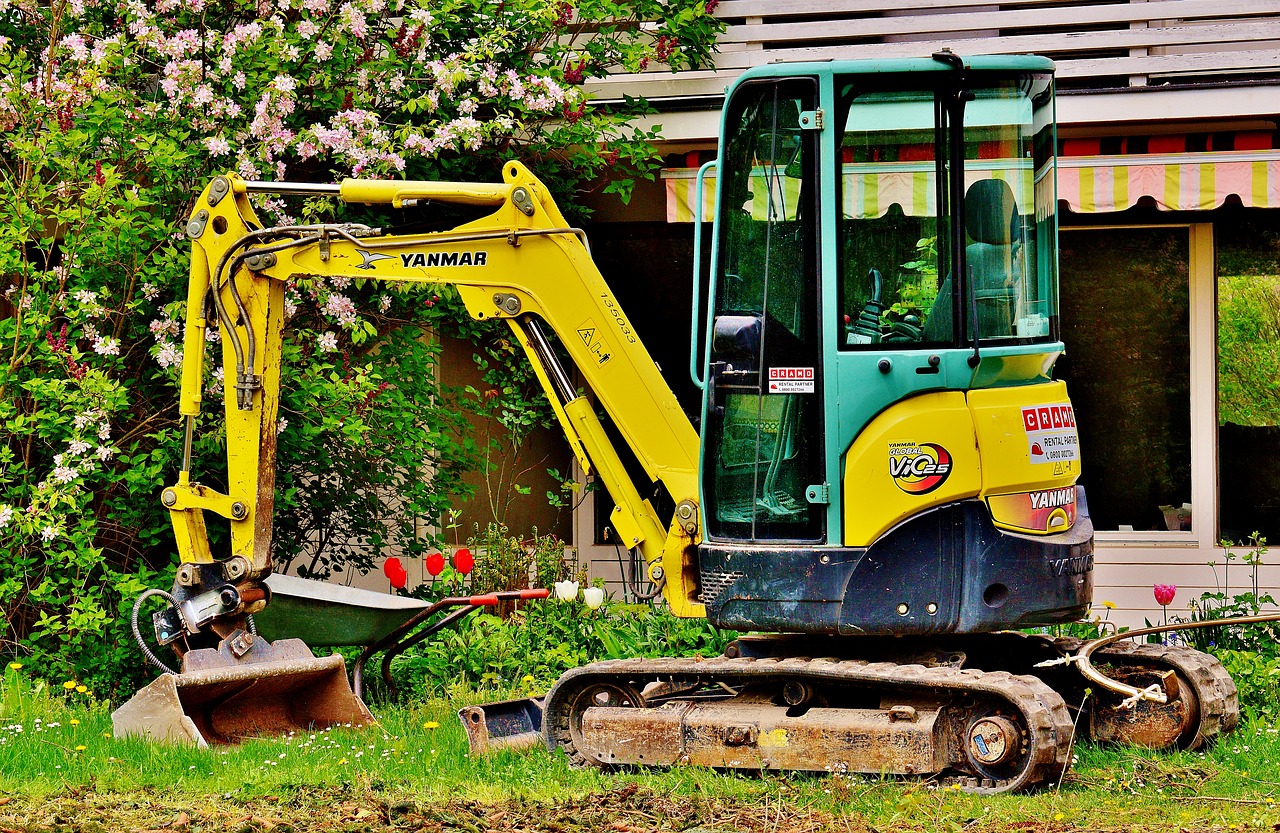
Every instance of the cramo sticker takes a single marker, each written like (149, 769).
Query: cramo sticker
(918, 468)
(1051, 433)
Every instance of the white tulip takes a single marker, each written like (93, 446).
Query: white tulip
(593, 597)
(566, 590)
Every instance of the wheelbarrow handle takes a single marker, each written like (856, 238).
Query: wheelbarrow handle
(536, 593)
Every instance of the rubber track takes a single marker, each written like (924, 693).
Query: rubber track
(1042, 709)
(1215, 691)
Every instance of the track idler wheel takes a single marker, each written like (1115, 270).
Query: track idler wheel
(1147, 723)
(591, 695)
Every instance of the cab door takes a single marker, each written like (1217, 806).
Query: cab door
(763, 422)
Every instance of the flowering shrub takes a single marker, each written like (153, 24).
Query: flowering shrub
(113, 113)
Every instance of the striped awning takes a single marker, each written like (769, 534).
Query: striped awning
(1086, 184)
(869, 189)
(1183, 182)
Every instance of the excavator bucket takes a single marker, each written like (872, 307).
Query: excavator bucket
(275, 688)
(509, 724)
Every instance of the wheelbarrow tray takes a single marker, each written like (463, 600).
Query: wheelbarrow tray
(328, 615)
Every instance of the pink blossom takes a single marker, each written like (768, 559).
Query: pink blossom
(169, 356)
(327, 342)
(342, 308)
(1164, 593)
(107, 346)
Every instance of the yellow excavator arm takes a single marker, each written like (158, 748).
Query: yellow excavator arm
(521, 263)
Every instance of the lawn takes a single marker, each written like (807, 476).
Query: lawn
(61, 770)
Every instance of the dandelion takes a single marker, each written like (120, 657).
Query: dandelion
(431, 724)
(82, 689)
(81, 747)
(15, 665)
(70, 685)
(1109, 605)
(74, 722)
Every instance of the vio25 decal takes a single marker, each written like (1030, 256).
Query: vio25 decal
(918, 468)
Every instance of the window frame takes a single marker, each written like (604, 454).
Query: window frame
(1203, 385)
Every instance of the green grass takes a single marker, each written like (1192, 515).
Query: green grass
(56, 751)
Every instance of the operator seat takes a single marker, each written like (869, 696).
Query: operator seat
(991, 217)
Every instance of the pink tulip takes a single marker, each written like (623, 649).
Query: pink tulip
(1164, 593)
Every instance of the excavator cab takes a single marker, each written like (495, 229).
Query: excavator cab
(882, 315)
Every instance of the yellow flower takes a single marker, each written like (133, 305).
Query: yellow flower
(431, 724)
(15, 665)
(1109, 605)
(81, 689)
(69, 685)
(343, 761)
(1057, 816)
(81, 748)
(74, 722)
(528, 678)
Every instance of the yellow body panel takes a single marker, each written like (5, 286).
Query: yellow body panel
(1015, 447)
(1030, 455)
(917, 454)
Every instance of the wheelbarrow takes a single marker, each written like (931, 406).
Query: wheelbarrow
(221, 698)
(333, 615)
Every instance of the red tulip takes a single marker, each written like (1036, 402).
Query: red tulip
(435, 564)
(463, 561)
(1164, 593)
(395, 572)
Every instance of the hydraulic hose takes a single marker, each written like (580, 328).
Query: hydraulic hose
(137, 631)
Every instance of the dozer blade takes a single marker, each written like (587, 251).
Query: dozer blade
(276, 688)
(509, 724)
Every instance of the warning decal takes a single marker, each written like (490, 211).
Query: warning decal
(1051, 433)
(594, 344)
(791, 380)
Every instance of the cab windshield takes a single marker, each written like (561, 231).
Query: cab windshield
(947, 220)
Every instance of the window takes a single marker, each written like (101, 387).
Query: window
(763, 425)
(1126, 322)
(1248, 324)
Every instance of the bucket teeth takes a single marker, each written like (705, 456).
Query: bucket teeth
(276, 688)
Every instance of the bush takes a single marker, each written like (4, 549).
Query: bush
(538, 643)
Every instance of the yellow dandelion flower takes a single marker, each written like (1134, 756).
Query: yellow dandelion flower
(81, 689)
(431, 724)
(106, 734)
(528, 678)
(1109, 605)
(15, 665)
(343, 761)
(74, 722)
(1058, 816)
(81, 748)
(69, 685)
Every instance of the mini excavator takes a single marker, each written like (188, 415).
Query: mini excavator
(883, 490)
